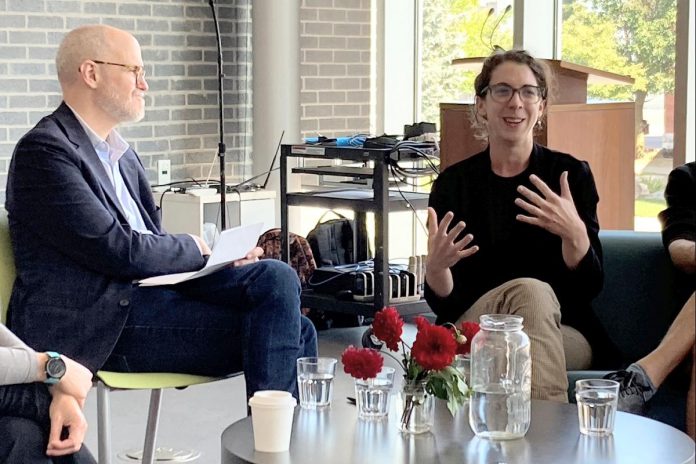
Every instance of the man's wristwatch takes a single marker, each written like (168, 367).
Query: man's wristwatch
(55, 368)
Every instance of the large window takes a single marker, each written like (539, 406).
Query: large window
(635, 38)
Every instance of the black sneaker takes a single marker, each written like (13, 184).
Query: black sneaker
(635, 389)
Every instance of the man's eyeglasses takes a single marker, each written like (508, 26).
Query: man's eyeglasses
(503, 93)
(139, 71)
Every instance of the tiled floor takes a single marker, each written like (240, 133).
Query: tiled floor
(194, 418)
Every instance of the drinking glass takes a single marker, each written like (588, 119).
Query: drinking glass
(597, 399)
(315, 377)
(372, 395)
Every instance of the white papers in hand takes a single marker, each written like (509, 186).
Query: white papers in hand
(233, 244)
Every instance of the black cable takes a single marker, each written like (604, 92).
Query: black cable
(410, 205)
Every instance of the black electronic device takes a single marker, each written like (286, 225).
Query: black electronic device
(247, 185)
(359, 282)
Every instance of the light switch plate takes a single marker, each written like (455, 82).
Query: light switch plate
(164, 172)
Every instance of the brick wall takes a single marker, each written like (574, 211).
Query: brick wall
(179, 50)
(335, 67)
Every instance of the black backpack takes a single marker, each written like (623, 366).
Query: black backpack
(333, 241)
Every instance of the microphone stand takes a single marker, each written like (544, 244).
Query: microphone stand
(221, 100)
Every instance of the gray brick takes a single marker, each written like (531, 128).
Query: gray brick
(186, 55)
(42, 53)
(358, 69)
(206, 99)
(12, 21)
(188, 114)
(26, 6)
(31, 69)
(99, 8)
(358, 124)
(307, 14)
(150, 54)
(167, 70)
(64, 6)
(157, 84)
(198, 12)
(13, 118)
(319, 56)
(9, 52)
(309, 70)
(347, 56)
(45, 22)
(188, 143)
(152, 146)
(358, 16)
(316, 83)
(181, 83)
(358, 96)
(74, 21)
(170, 100)
(331, 43)
(348, 4)
(155, 114)
(332, 124)
(132, 9)
(332, 97)
(308, 42)
(169, 40)
(202, 70)
(170, 130)
(152, 25)
(4, 37)
(318, 111)
(53, 100)
(43, 85)
(332, 70)
(202, 128)
(26, 37)
(318, 3)
(188, 25)
(333, 15)
(204, 41)
(346, 83)
(174, 11)
(27, 101)
(318, 28)
(347, 30)
(13, 85)
(3, 104)
(358, 43)
(308, 97)
(136, 131)
(346, 110)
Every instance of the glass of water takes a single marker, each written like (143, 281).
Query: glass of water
(597, 399)
(315, 377)
(372, 395)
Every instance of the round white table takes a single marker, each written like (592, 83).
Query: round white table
(338, 436)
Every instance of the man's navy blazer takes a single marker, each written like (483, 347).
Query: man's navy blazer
(75, 253)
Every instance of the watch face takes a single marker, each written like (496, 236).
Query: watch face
(55, 368)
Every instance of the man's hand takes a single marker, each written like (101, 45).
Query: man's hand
(251, 257)
(76, 382)
(445, 249)
(65, 412)
(556, 214)
(205, 249)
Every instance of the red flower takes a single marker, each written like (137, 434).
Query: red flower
(362, 363)
(435, 346)
(468, 329)
(388, 327)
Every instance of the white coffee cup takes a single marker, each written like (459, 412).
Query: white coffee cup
(271, 417)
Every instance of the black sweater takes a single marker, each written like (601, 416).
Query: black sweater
(511, 249)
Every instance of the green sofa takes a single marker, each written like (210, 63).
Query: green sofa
(642, 295)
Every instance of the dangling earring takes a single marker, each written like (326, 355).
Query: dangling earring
(538, 124)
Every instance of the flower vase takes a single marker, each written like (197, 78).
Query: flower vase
(416, 409)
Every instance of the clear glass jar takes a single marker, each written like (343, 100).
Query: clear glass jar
(501, 379)
(416, 409)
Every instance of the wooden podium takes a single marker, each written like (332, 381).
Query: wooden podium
(602, 134)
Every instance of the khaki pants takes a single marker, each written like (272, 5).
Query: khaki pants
(554, 347)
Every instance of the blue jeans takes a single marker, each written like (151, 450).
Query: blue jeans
(240, 318)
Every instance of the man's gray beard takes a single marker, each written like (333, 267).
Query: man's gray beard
(111, 104)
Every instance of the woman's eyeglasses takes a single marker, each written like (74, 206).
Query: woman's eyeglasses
(503, 93)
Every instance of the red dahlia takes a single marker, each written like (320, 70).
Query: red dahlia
(388, 327)
(362, 363)
(435, 346)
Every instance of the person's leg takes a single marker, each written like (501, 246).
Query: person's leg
(536, 302)
(22, 441)
(578, 352)
(245, 318)
(674, 347)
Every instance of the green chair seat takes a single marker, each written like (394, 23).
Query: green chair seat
(150, 380)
